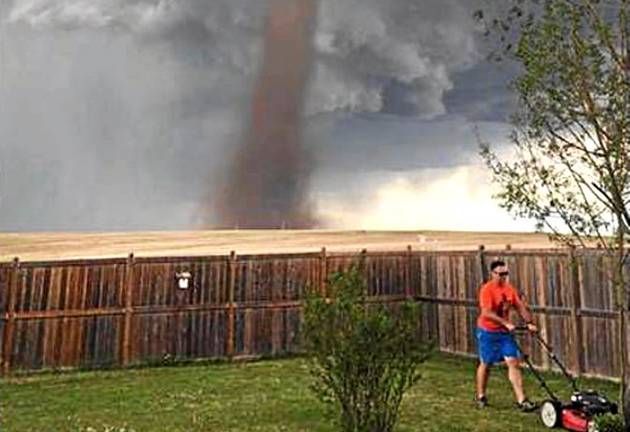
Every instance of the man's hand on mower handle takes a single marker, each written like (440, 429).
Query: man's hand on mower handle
(509, 326)
(528, 327)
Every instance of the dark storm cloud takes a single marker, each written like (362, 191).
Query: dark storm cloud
(119, 114)
(116, 122)
(370, 142)
(482, 94)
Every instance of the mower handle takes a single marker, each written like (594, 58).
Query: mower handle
(523, 328)
(551, 354)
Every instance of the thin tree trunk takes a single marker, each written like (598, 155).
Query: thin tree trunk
(620, 292)
(626, 409)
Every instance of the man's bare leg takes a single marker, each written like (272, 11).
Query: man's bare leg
(483, 372)
(516, 378)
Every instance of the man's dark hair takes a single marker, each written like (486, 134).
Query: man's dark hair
(495, 264)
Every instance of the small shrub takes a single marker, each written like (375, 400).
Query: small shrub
(363, 357)
(610, 423)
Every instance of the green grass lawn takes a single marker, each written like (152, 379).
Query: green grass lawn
(259, 396)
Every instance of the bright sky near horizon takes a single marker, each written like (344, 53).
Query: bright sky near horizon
(122, 114)
(435, 199)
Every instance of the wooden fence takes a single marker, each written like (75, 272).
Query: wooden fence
(120, 312)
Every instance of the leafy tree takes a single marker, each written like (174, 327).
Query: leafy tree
(363, 356)
(570, 165)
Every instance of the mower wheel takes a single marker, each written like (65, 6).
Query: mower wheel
(551, 413)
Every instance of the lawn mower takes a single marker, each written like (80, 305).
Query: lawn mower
(579, 413)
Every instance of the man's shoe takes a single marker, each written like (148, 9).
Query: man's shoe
(526, 405)
(482, 402)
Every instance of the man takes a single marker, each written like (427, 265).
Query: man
(495, 340)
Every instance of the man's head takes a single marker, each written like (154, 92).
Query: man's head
(499, 271)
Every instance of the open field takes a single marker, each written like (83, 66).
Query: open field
(263, 396)
(55, 246)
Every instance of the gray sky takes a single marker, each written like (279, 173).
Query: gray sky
(124, 114)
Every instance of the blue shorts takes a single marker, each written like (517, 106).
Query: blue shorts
(494, 347)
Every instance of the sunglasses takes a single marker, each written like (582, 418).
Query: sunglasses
(504, 273)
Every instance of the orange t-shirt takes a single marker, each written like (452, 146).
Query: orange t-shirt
(498, 298)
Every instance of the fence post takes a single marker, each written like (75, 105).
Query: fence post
(127, 325)
(363, 257)
(363, 270)
(408, 273)
(576, 302)
(231, 305)
(323, 272)
(482, 263)
(9, 325)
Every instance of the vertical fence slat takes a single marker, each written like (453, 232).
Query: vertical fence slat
(576, 320)
(407, 278)
(323, 272)
(128, 307)
(543, 323)
(9, 325)
(128, 318)
(231, 306)
(482, 263)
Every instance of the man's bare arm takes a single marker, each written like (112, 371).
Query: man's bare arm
(524, 312)
(488, 313)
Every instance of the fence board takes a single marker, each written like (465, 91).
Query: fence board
(179, 336)
(597, 290)
(66, 288)
(266, 292)
(254, 334)
(65, 343)
(386, 275)
(5, 280)
(5, 276)
(274, 280)
(598, 346)
(267, 332)
(155, 283)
